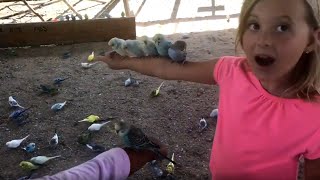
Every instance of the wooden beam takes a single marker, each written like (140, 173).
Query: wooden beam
(128, 12)
(22, 12)
(66, 32)
(32, 10)
(107, 8)
(70, 7)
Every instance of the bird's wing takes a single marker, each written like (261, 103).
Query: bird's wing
(137, 138)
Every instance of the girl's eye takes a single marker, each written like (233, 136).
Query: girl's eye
(282, 28)
(254, 26)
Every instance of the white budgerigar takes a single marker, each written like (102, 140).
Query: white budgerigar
(15, 143)
(214, 113)
(14, 103)
(162, 44)
(150, 47)
(117, 44)
(134, 48)
(42, 159)
(54, 141)
(96, 126)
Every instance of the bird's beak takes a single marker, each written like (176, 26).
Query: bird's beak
(117, 131)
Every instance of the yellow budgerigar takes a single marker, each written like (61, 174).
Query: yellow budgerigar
(91, 56)
(28, 166)
(91, 119)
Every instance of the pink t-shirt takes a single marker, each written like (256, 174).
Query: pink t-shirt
(259, 136)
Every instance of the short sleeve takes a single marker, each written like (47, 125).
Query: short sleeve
(313, 146)
(224, 67)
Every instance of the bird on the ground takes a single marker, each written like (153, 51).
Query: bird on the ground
(133, 137)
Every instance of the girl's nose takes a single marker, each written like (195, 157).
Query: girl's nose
(264, 39)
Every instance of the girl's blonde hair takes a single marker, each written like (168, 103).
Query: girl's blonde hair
(306, 74)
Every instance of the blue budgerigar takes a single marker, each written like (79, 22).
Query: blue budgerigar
(150, 47)
(177, 51)
(134, 48)
(133, 137)
(117, 44)
(30, 147)
(162, 44)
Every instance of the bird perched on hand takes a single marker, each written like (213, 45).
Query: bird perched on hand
(150, 47)
(134, 48)
(177, 51)
(162, 44)
(117, 44)
(133, 137)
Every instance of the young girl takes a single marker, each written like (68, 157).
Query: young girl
(269, 105)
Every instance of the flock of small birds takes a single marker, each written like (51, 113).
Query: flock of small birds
(144, 46)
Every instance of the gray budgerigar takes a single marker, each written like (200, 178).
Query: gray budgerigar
(133, 137)
(134, 48)
(177, 51)
(150, 47)
(162, 44)
(117, 44)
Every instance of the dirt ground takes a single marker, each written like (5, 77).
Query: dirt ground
(172, 117)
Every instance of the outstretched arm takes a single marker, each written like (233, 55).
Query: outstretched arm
(199, 72)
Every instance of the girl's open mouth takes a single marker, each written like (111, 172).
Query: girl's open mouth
(264, 60)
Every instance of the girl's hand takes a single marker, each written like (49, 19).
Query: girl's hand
(113, 59)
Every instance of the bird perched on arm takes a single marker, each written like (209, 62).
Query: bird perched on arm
(116, 44)
(133, 137)
(150, 47)
(134, 48)
(162, 44)
(177, 51)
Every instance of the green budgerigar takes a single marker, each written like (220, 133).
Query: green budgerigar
(28, 166)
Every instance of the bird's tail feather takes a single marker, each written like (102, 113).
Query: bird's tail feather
(165, 157)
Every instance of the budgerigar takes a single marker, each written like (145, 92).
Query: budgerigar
(42, 159)
(59, 80)
(30, 147)
(162, 44)
(15, 143)
(28, 166)
(117, 44)
(91, 119)
(177, 51)
(150, 47)
(96, 126)
(133, 137)
(58, 106)
(54, 140)
(14, 103)
(134, 48)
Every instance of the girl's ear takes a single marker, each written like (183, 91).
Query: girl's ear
(316, 35)
(316, 42)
